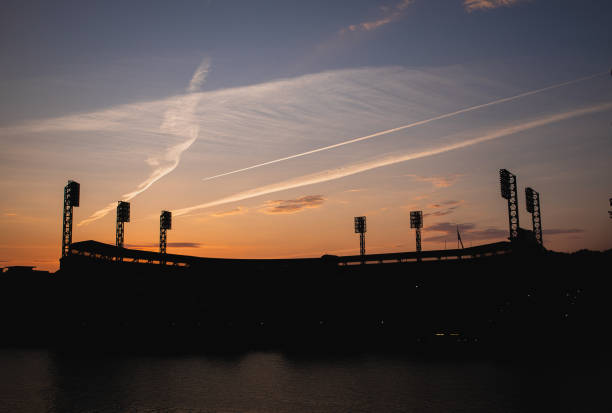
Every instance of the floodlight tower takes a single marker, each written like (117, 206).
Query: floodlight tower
(72, 192)
(533, 206)
(416, 222)
(165, 223)
(360, 228)
(123, 216)
(508, 185)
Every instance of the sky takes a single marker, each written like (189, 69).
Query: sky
(265, 127)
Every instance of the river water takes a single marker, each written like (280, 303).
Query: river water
(41, 381)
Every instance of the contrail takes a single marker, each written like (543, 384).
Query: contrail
(410, 125)
(179, 121)
(337, 173)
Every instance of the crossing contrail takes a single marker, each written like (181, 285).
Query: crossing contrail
(179, 120)
(410, 125)
(352, 169)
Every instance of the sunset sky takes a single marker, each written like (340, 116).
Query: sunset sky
(266, 126)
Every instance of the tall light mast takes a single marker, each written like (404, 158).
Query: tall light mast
(165, 223)
(72, 192)
(508, 185)
(533, 207)
(123, 216)
(360, 228)
(416, 222)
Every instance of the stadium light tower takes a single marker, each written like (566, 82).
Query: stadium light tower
(508, 185)
(533, 207)
(360, 228)
(123, 216)
(72, 192)
(165, 223)
(416, 222)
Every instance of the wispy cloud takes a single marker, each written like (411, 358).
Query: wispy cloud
(442, 208)
(275, 118)
(440, 213)
(401, 128)
(469, 232)
(199, 76)
(472, 5)
(444, 203)
(437, 181)
(389, 14)
(178, 121)
(249, 122)
(235, 211)
(291, 206)
(352, 169)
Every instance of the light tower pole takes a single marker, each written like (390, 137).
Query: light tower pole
(416, 222)
(123, 216)
(533, 206)
(72, 192)
(508, 185)
(360, 228)
(165, 223)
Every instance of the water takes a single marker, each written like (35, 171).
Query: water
(41, 381)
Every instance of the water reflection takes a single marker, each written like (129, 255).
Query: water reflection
(37, 381)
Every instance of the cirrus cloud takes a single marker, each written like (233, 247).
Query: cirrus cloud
(437, 181)
(390, 14)
(470, 232)
(291, 206)
(472, 5)
(355, 168)
(235, 211)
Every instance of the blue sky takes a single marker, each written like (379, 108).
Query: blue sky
(98, 53)
(144, 100)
